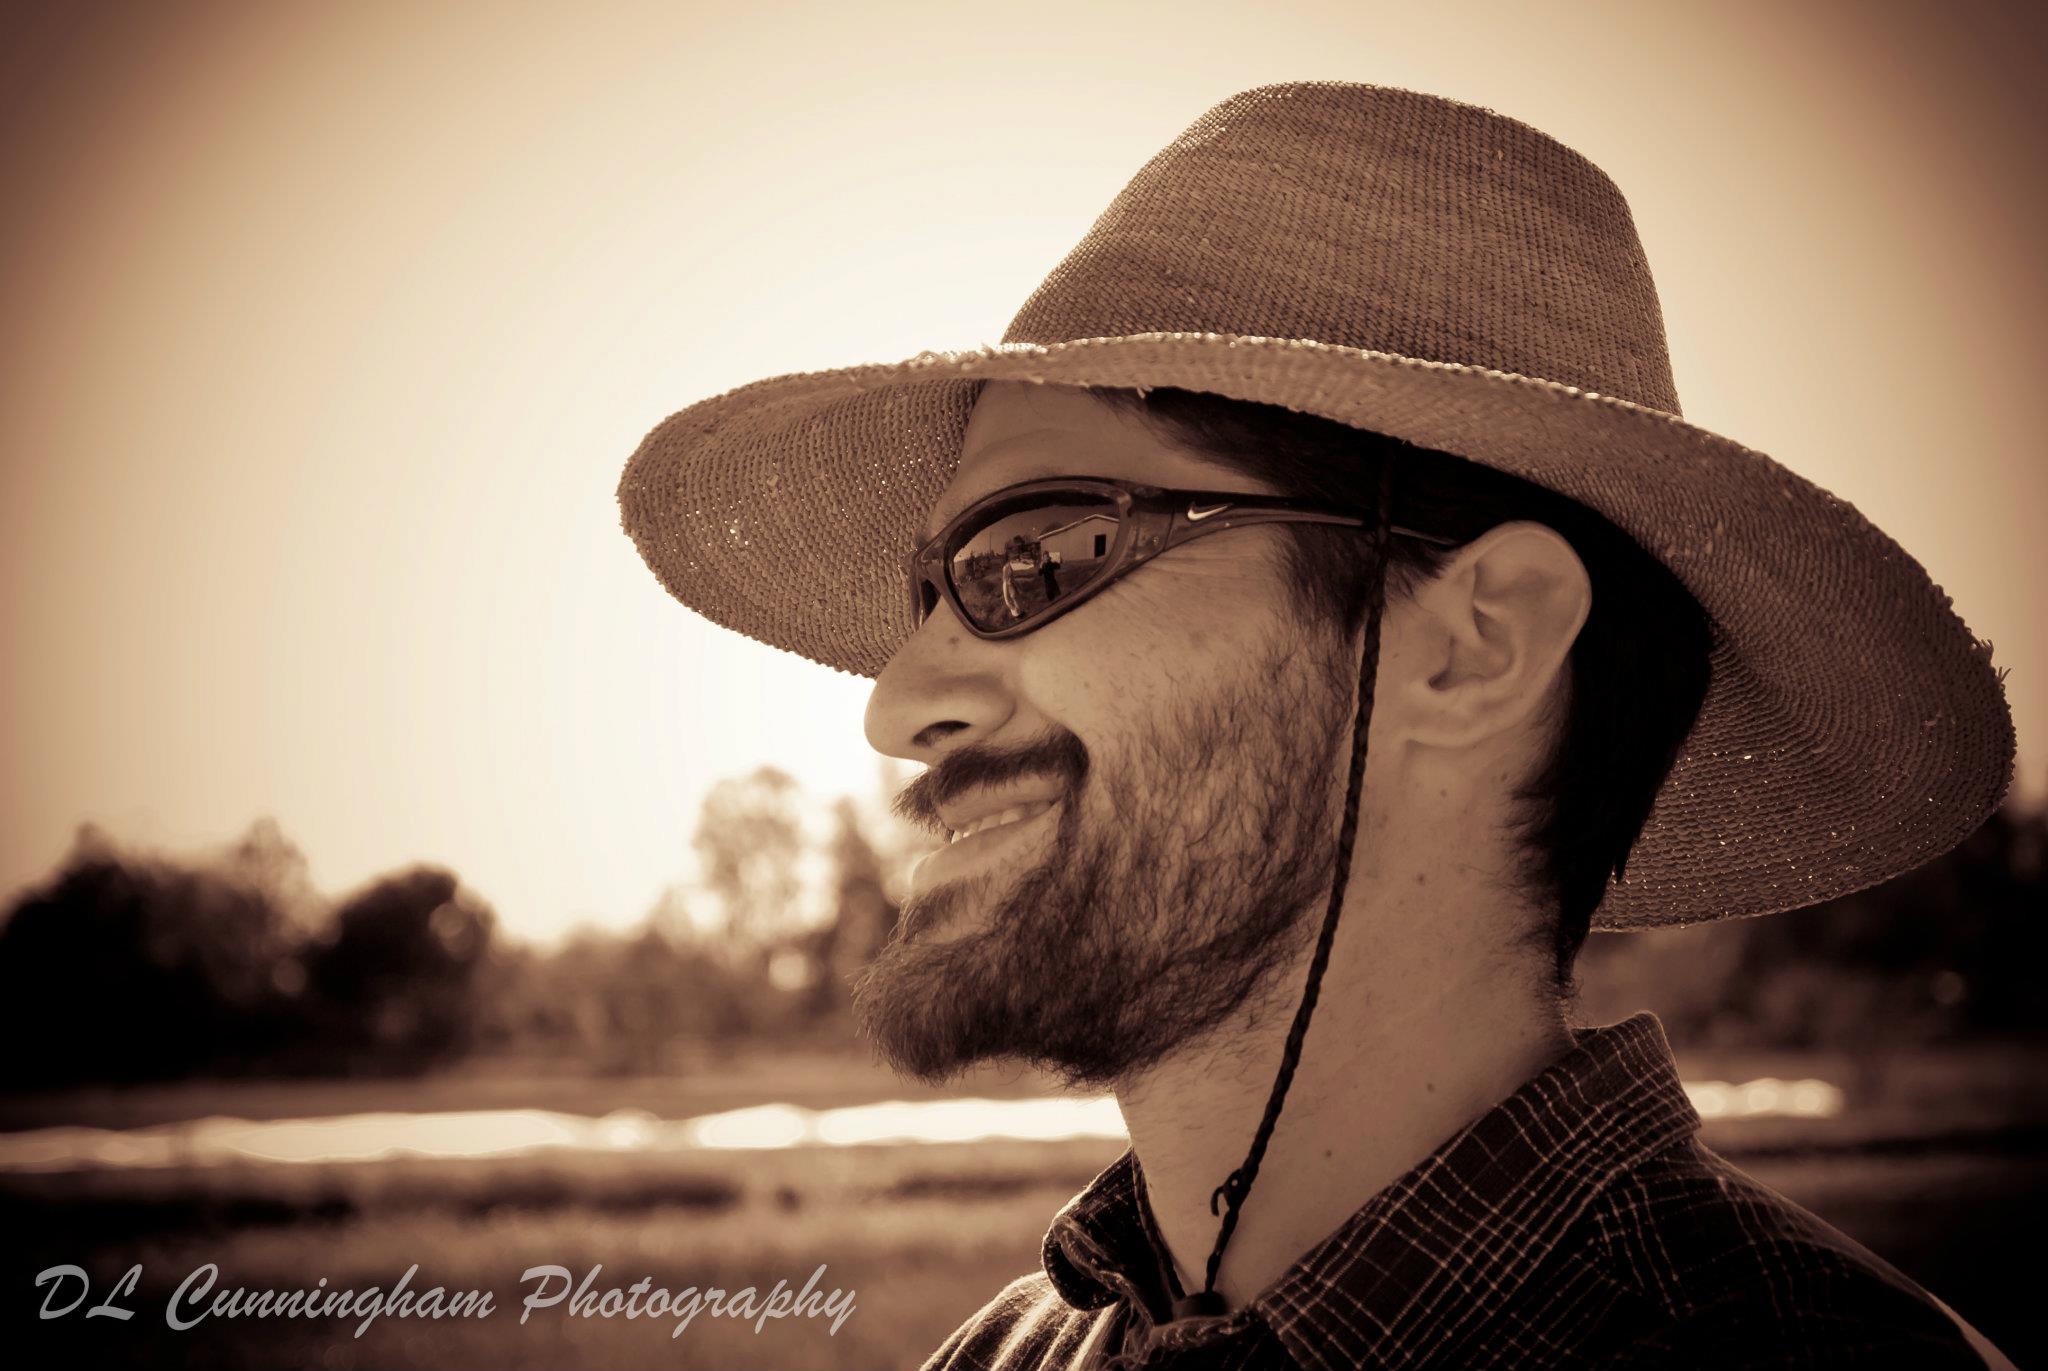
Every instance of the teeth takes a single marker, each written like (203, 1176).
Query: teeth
(1005, 816)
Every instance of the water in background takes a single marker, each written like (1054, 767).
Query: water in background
(511, 1132)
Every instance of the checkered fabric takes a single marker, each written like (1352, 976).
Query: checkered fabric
(1578, 1223)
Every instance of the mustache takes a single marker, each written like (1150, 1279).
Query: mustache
(1059, 756)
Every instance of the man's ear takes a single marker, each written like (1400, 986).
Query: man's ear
(1496, 623)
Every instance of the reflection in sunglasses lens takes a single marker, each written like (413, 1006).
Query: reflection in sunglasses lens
(1022, 558)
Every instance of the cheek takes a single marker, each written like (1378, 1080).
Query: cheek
(1094, 684)
(1105, 675)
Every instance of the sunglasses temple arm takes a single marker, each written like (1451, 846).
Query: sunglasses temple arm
(1240, 518)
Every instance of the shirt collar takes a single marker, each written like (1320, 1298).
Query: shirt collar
(1448, 1243)
(1096, 1251)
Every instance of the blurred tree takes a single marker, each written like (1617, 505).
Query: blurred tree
(679, 913)
(575, 983)
(863, 915)
(661, 993)
(619, 1003)
(392, 984)
(750, 839)
(264, 859)
(516, 1013)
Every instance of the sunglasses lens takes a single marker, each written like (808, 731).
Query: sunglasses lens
(1024, 556)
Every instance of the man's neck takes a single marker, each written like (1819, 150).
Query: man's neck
(1409, 1043)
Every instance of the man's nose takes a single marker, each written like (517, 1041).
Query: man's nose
(943, 690)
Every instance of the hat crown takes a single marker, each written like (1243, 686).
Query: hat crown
(1377, 219)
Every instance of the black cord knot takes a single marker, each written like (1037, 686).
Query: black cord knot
(1232, 1189)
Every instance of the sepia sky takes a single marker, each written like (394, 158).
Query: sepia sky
(328, 328)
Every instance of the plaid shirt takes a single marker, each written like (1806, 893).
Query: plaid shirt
(1578, 1223)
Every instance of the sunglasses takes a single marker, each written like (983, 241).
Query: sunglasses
(1020, 557)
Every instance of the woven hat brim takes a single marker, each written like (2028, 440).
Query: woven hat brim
(1853, 727)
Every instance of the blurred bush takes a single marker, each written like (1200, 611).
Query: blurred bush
(390, 984)
(127, 967)
(1946, 952)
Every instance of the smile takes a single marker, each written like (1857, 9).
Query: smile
(983, 843)
(1015, 814)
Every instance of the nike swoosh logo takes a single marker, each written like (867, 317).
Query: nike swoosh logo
(1199, 514)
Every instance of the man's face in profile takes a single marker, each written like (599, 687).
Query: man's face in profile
(1158, 763)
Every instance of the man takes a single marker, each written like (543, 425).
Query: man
(1049, 575)
(1428, 637)
(1019, 568)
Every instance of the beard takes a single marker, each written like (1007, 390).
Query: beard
(1173, 889)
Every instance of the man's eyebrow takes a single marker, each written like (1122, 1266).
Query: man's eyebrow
(939, 516)
(934, 521)
(1047, 466)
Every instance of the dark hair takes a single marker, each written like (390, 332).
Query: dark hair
(1635, 678)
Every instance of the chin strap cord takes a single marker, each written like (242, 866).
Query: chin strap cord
(1229, 1197)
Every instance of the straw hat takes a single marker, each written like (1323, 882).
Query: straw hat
(1451, 277)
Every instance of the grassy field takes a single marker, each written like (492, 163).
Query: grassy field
(920, 1235)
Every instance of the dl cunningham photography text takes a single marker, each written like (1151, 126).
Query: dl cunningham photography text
(545, 1291)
